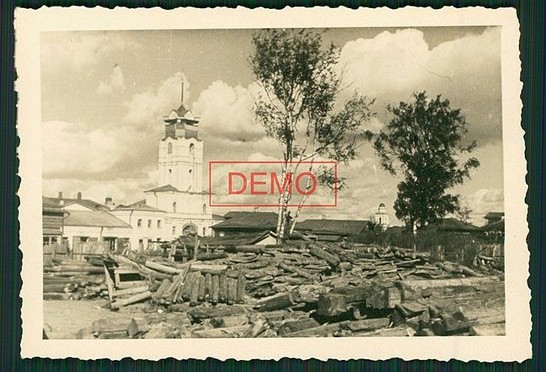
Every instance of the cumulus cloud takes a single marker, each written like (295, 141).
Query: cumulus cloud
(226, 111)
(114, 83)
(483, 201)
(393, 65)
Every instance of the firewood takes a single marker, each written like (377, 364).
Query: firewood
(275, 302)
(296, 270)
(332, 304)
(130, 291)
(222, 288)
(367, 324)
(165, 284)
(208, 286)
(220, 311)
(131, 300)
(240, 294)
(109, 283)
(161, 268)
(55, 288)
(208, 269)
(186, 288)
(324, 330)
(215, 289)
(201, 292)
(258, 326)
(297, 325)
(231, 291)
(333, 260)
(211, 256)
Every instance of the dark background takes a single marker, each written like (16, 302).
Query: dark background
(531, 14)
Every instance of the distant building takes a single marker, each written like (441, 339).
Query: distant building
(236, 222)
(493, 217)
(52, 221)
(381, 217)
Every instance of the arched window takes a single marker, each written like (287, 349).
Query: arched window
(204, 209)
(174, 207)
(192, 146)
(169, 148)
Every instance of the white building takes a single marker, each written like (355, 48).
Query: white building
(178, 205)
(381, 217)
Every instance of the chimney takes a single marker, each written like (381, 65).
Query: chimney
(108, 202)
(60, 195)
(79, 195)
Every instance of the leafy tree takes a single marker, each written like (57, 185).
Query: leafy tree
(301, 84)
(424, 142)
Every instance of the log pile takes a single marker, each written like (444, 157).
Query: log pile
(311, 290)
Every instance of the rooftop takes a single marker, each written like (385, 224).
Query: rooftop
(93, 219)
(255, 220)
(88, 203)
(138, 206)
(333, 227)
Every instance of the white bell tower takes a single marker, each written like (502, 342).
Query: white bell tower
(181, 152)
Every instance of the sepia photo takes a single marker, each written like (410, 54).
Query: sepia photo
(307, 188)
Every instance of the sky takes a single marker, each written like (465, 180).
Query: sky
(104, 95)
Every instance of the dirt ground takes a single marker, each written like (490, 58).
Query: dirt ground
(63, 319)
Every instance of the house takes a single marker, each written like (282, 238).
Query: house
(493, 217)
(455, 226)
(332, 229)
(236, 222)
(86, 230)
(52, 222)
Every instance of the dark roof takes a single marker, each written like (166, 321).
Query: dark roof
(494, 215)
(253, 220)
(138, 206)
(88, 203)
(333, 227)
(217, 217)
(163, 189)
(181, 111)
(93, 218)
(453, 224)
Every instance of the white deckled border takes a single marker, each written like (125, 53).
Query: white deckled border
(515, 346)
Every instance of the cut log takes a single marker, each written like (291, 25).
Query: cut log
(241, 283)
(130, 291)
(165, 284)
(222, 288)
(367, 324)
(198, 314)
(333, 260)
(208, 269)
(55, 296)
(258, 326)
(130, 300)
(208, 287)
(201, 292)
(295, 270)
(324, 330)
(54, 288)
(275, 302)
(215, 289)
(211, 256)
(137, 327)
(297, 325)
(231, 291)
(332, 304)
(109, 283)
(161, 268)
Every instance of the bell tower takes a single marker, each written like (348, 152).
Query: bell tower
(181, 151)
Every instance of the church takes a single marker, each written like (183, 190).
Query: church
(178, 205)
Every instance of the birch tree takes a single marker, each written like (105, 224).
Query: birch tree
(301, 84)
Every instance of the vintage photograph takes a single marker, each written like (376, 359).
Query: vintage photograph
(298, 182)
(133, 249)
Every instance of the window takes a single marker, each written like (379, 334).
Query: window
(204, 209)
(204, 231)
(174, 230)
(174, 207)
(190, 171)
(139, 223)
(159, 224)
(191, 148)
(169, 148)
(149, 223)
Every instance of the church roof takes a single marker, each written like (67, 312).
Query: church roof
(165, 188)
(138, 206)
